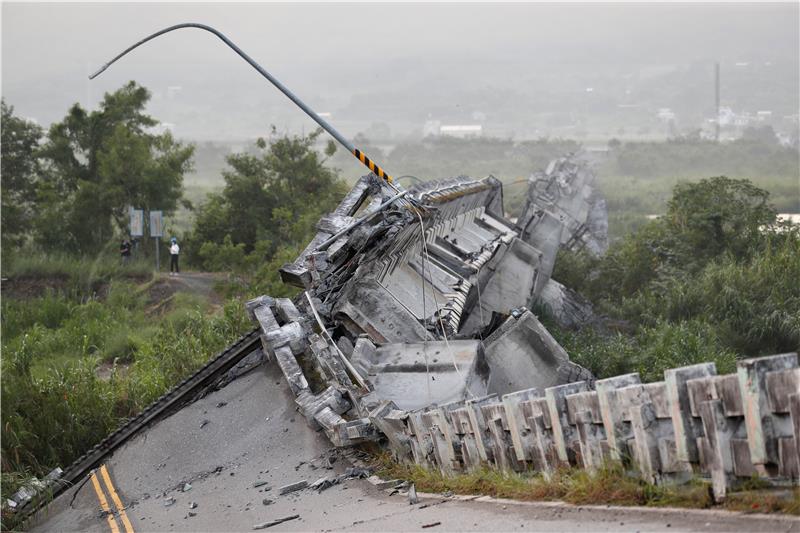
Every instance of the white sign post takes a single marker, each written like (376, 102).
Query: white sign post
(156, 230)
(137, 222)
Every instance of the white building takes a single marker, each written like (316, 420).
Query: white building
(462, 131)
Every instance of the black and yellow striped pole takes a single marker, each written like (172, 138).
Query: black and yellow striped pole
(361, 156)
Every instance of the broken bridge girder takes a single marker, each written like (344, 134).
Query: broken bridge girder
(390, 289)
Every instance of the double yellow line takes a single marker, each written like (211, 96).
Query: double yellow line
(101, 497)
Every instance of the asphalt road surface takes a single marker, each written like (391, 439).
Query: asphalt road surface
(202, 470)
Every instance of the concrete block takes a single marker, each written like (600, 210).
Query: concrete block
(758, 418)
(583, 402)
(391, 422)
(728, 391)
(255, 303)
(564, 434)
(788, 463)
(617, 429)
(548, 457)
(645, 440)
(742, 465)
(794, 410)
(286, 310)
(416, 375)
(291, 370)
(436, 423)
(523, 355)
(468, 436)
(531, 410)
(522, 436)
(420, 439)
(482, 443)
(719, 430)
(685, 426)
(591, 436)
(502, 454)
(780, 386)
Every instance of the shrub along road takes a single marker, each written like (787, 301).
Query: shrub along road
(219, 464)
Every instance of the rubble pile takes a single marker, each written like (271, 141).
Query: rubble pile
(414, 328)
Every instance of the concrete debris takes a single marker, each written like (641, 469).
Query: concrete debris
(169, 501)
(186, 487)
(355, 472)
(293, 487)
(324, 483)
(415, 328)
(265, 525)
(412, 495)
(396, 308)
(566, 191)
(192, 505)
(31, 490)
(381, 484)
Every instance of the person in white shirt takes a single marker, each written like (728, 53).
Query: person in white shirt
(174, 250)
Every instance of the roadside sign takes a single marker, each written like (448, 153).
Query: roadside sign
(137, 222)
(156, 224)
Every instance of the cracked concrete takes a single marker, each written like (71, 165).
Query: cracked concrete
(273, 443)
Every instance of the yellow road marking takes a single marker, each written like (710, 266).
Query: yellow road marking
(116, 499)
(104, 504)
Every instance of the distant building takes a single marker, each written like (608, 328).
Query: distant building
(665, 114)
(461, 131)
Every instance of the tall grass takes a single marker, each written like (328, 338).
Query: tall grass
(55, 406)
(610, 484)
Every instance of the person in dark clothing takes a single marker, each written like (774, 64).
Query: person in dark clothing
(174, 250)
(125, 251)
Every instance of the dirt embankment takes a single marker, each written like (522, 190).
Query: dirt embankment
(28, 287)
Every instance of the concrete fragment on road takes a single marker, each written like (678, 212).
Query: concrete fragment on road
(265, 525)
(293, 487)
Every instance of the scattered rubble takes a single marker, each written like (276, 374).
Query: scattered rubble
(412, 495)
(415, 328)
(32, 489)
(293, 487)
(265, 525)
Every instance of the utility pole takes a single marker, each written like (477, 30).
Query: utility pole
(716, 101)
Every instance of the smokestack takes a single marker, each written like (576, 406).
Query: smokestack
(716, 100)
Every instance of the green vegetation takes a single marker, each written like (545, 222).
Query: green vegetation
(713, 279)
(263, 217)
(610, 485)
(57, 404)
(636, 178)
(88, 342)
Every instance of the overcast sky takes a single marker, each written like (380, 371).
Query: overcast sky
(326, 52)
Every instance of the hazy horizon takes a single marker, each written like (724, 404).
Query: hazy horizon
(521, 70)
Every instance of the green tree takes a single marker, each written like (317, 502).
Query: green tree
(100, 162)
(19, 169)
(715, 216)
(271, 200)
